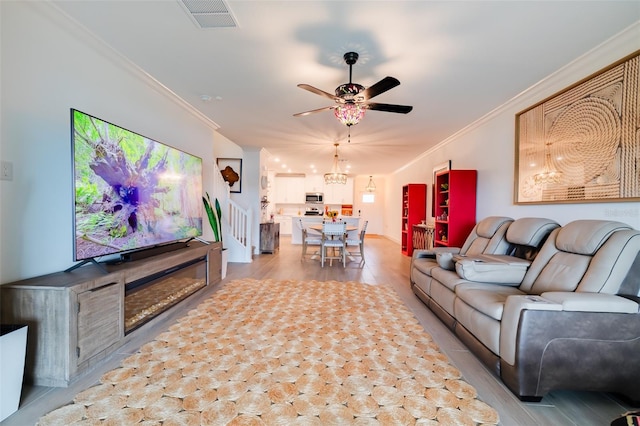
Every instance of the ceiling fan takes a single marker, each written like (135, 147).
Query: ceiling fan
(352, 99)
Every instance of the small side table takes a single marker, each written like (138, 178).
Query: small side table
(269, 237)
(422, 237)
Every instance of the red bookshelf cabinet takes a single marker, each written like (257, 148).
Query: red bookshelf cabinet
(455, 207)
(414, 210)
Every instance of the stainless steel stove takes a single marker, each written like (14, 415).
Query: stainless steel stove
(313, 211)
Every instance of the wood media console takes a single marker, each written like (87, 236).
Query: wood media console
(78, 318)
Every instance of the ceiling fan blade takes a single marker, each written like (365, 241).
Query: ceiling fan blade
(318, 92)
(402, 109)
(382, 86)
(313, 111)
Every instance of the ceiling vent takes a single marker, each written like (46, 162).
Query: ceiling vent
(209, 13)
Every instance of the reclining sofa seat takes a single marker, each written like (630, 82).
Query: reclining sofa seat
(524, 237)
(487, 236)
(572, 323)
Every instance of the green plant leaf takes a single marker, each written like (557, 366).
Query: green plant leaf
(219, 213)
(213, 219)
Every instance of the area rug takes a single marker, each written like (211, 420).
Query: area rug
(268, 352)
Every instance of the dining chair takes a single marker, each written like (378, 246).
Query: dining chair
(308, 239)
(334, 238)
(357, 241)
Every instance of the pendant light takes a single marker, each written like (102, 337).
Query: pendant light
(335, 176)
(371, 187)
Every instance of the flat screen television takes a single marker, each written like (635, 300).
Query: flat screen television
(130, 192)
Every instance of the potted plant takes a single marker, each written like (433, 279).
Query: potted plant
(215, 220)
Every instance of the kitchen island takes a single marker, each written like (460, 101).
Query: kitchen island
(296, 232)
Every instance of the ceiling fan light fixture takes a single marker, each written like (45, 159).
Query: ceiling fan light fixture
(335, 176)
(349, 91)
(349, 113)
(371, 187)
(352, 99)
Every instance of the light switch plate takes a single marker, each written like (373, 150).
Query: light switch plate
(6, 170)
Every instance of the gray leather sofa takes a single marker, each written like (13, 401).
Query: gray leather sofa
(558, 309)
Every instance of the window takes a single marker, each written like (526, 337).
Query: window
(368, 197)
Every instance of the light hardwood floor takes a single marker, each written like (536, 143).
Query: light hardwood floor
(384, 265)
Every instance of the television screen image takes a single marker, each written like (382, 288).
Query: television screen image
(130, 192)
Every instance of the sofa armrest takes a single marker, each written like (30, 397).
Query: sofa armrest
(555, 301)
(431, 253)
(564, 349)
(511, 319)
(592, 302)
(493, 269)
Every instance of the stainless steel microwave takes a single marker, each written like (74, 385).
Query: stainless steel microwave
(314, 198)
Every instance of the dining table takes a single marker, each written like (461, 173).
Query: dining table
(350, 228)
(318, 228)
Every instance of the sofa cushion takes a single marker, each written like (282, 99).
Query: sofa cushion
(449, 279)
(488, 236)
(481, 326)
(488, 227)
(496, 269)
(425, 265)
(530, 231)
(563, 272)
(486, 298)
(586, 236)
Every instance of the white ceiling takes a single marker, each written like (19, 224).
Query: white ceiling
(456, 61)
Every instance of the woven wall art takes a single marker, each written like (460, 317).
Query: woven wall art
(582, 145)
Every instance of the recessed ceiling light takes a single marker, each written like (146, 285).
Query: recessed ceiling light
(205, 98)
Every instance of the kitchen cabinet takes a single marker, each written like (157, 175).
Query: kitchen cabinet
(285, 224)
(314, 183)
(339, 194)
(289, 189)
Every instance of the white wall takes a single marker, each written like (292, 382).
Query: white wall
(50, 65)
(370, 211)
(488, 146)
(251, 194)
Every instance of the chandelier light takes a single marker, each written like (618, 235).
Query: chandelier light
(549, 174)
(349, 113)
(336, 176)
(371, 187)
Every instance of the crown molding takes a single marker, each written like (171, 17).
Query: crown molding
(98, 45)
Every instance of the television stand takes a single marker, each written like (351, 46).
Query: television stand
(77, 319)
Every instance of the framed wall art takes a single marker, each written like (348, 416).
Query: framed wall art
(582, 145)
(231, 170)
(437, 169)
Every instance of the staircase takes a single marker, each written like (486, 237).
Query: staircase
(236, 222)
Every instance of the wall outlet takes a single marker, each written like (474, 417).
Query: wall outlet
(6, 170)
